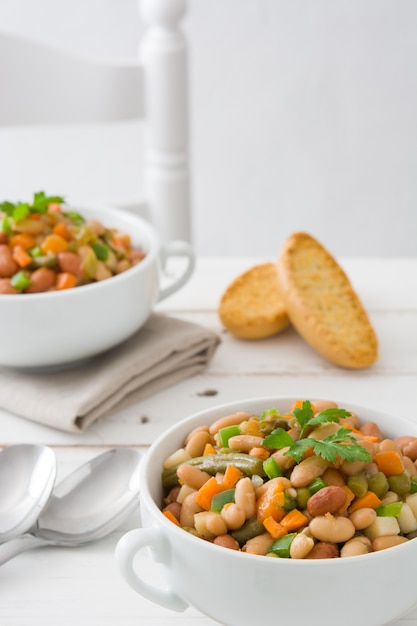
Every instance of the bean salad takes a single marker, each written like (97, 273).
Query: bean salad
(45, 246)
(314, 482)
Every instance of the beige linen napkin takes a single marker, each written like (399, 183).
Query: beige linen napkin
(163, 352)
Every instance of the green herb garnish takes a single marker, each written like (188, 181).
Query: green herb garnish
(20, 210)
(341, 443)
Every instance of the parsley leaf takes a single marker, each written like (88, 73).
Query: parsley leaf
(341, 443)
(279, 438)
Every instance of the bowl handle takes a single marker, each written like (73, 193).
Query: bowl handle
(176, 248)
(126, 550)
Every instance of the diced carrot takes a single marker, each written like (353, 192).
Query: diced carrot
(369, 500)
(371, 438)
(275, 529)
(270, 504)
(389, 462)
(349, 426)
(209, 449)
(169, 515)
(65, 280)
(294, 520)
(26, 240)
(54, 206)
(350, 496)
(21, 257)
(231, 476)
(309, 452)
(61, 229)
(260, 453)
(35, 216)
(121, 240)
(205, 494)
(298, 404)
(54, 243)
(252, 428)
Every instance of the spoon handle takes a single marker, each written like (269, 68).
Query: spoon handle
(12, 548)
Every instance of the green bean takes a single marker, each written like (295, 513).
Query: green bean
(303, 494)
(251, 528)
(358, 485)
(378, 483)
(400, 484)
(214, 463)
(49, 260)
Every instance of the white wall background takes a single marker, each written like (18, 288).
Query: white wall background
(303, 117)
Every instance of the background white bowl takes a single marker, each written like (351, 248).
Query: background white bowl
(236, 588)
(62, 327)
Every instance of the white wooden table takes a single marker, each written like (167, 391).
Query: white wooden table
(82, 585)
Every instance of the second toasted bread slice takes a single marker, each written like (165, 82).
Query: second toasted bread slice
(322, 304)
(252, 306)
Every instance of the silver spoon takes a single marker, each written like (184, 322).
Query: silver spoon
(87, 505)
(27, 476)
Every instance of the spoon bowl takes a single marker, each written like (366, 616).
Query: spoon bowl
(87, 505)
(27, 476)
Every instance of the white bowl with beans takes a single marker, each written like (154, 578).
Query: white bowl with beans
(237, 587)
(61, 328)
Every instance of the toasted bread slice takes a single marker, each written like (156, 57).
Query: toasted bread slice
(252, 306)
(322, 304)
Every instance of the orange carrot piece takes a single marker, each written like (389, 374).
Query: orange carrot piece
(369, 500)
(35, 216)
(25, 240)
(54, 243)
(389, 462)
(294, 520)
(260, 453)
(65, 280)
(298, 404)
(270, 504)
(61, 229)
(231, 476)
(21, 257)
(54, 206)
(205, 494)
(275, 529)
(209, 449)
(171, 517)
(252, 428)
(350, 496)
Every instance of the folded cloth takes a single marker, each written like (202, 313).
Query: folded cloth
(163, 352)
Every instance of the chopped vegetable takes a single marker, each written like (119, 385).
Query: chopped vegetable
(20, 281)
(281, 547)
(389, 462)
(39, 233)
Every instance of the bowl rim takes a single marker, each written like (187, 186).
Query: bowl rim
(152, 243)
(159, 519)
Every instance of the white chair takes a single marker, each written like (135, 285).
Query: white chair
(42, 86)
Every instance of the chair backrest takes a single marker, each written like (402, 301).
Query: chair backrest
(45, 86)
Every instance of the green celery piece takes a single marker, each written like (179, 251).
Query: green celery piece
(101, 251)
(281, 547)
(35, 251)
(227, 432)
(316, 485)
(271, 468)
(220, 499)
(20, 280)
(393, 509)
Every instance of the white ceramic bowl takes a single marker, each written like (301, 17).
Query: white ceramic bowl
(239, 589)
(62, 327)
